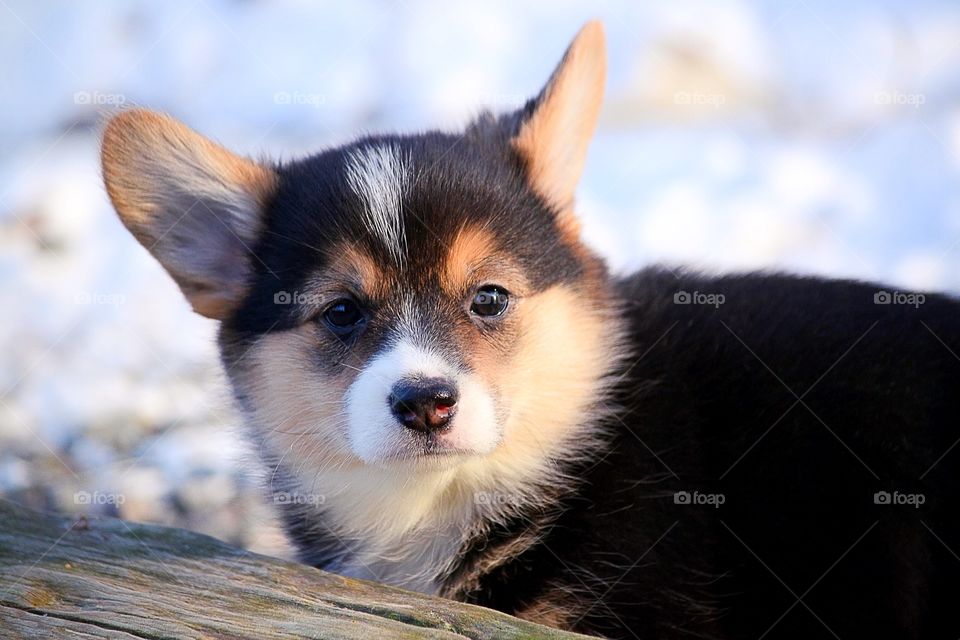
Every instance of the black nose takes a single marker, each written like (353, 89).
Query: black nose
(424, 405)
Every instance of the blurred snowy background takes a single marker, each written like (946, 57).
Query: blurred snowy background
(808, 135)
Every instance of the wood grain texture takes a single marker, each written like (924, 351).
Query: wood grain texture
(106, 578)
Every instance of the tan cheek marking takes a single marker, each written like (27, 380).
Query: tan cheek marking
(562, 351)
(300, 409)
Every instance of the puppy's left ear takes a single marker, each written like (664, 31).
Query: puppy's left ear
(556, 126)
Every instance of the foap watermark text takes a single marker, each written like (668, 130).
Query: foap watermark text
(699, 297)
(908, 298)
(714, 500)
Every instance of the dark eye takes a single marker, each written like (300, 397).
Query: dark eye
(489, 301)
(343, 316)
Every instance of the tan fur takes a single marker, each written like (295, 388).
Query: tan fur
(352, 265)
(302, 413)
(468, 251)
(549, 385)
(150, 162)
(555, 138)
(557, 608)
(549, 365)
(393, 509)
(413, 518)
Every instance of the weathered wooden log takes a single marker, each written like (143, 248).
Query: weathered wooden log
(106, 578)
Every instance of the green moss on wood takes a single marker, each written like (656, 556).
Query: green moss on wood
(104, 578)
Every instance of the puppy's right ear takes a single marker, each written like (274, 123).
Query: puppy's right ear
(195, 206)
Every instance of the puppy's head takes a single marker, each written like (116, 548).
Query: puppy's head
(402, 300)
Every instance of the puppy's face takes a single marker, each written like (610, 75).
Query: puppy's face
(419, 300)
(400, 300)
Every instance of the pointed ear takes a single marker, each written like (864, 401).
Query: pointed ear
(557, 125)
(195, 206)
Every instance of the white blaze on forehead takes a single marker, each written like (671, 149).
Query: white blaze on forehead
(378, 175)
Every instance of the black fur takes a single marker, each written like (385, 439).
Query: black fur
(733, 484)
(459, 179)
(797, 399)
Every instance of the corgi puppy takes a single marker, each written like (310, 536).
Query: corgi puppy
(452, 394)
